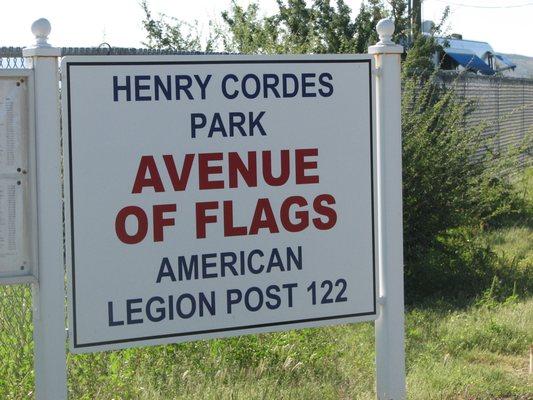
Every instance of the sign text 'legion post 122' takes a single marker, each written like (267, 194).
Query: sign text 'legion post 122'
(211, 196)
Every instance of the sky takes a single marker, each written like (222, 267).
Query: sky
(504, 24)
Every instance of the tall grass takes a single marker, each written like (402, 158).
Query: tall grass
(475, 352)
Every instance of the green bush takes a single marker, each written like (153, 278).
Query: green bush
(451, 191)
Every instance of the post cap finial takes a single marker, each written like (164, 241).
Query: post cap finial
(385, 29)
(41, 29)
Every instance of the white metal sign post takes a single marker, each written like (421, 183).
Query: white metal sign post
(215, 196)
(48, 294)
(390, 353)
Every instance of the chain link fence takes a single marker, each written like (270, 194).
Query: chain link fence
(16, 343)
(11, 57)
(503, 104)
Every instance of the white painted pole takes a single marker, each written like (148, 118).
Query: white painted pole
(49, 293)
(390, 353)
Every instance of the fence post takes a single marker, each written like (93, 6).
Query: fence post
(390, 353)
(49, 292)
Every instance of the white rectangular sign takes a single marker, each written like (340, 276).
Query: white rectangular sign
(212, 196)
(15, 204)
